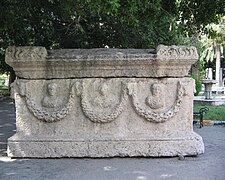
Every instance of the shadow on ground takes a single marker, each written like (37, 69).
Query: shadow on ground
(210, 165)
(7, 123)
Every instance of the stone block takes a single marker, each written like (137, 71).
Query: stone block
(122, 115)
(38, 63)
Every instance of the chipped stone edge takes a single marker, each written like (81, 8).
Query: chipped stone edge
(190, 146)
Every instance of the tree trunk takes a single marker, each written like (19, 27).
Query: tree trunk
(218, 78)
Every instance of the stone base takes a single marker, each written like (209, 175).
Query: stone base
(192, 145)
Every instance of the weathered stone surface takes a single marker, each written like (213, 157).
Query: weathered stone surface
(103, 102)
(38, 63)
(188, 146)
(104, 117)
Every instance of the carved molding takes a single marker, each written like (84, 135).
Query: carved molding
(39, 63)
(175, 52)
(103, 117)
(155, 116)
(25, 53)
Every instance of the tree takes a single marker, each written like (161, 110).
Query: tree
(95, 24)
(195, 15)
(213, 46)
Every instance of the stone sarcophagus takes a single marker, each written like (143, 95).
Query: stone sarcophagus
(103, 102)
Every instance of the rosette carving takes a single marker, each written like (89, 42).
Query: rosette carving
(104, 103)
(174, 52)
(153, 115)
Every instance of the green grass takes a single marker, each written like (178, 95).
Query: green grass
(3, 89)
(5, 92)
(3, 78)
(214, 113)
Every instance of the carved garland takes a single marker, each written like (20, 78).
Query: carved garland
(102, 117)
(45, 115)
(158, 117)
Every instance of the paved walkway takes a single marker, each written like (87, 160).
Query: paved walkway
(216, 100)
(208, 166)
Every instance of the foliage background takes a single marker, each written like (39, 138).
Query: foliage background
(198, 84)
(214, 113)
(100, 23)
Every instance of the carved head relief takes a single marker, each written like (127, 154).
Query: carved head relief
(51, 89)
(155, 99)
(103, 89)
(50, 101)
(53, 107)
(156, 89)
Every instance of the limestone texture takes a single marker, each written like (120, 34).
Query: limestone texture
(122, 115)
(38, 63)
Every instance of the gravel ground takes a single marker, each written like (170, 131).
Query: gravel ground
(208, 166)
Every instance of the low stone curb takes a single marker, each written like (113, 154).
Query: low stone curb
(209, 122)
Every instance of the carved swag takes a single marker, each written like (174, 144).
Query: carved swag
(101, 108)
